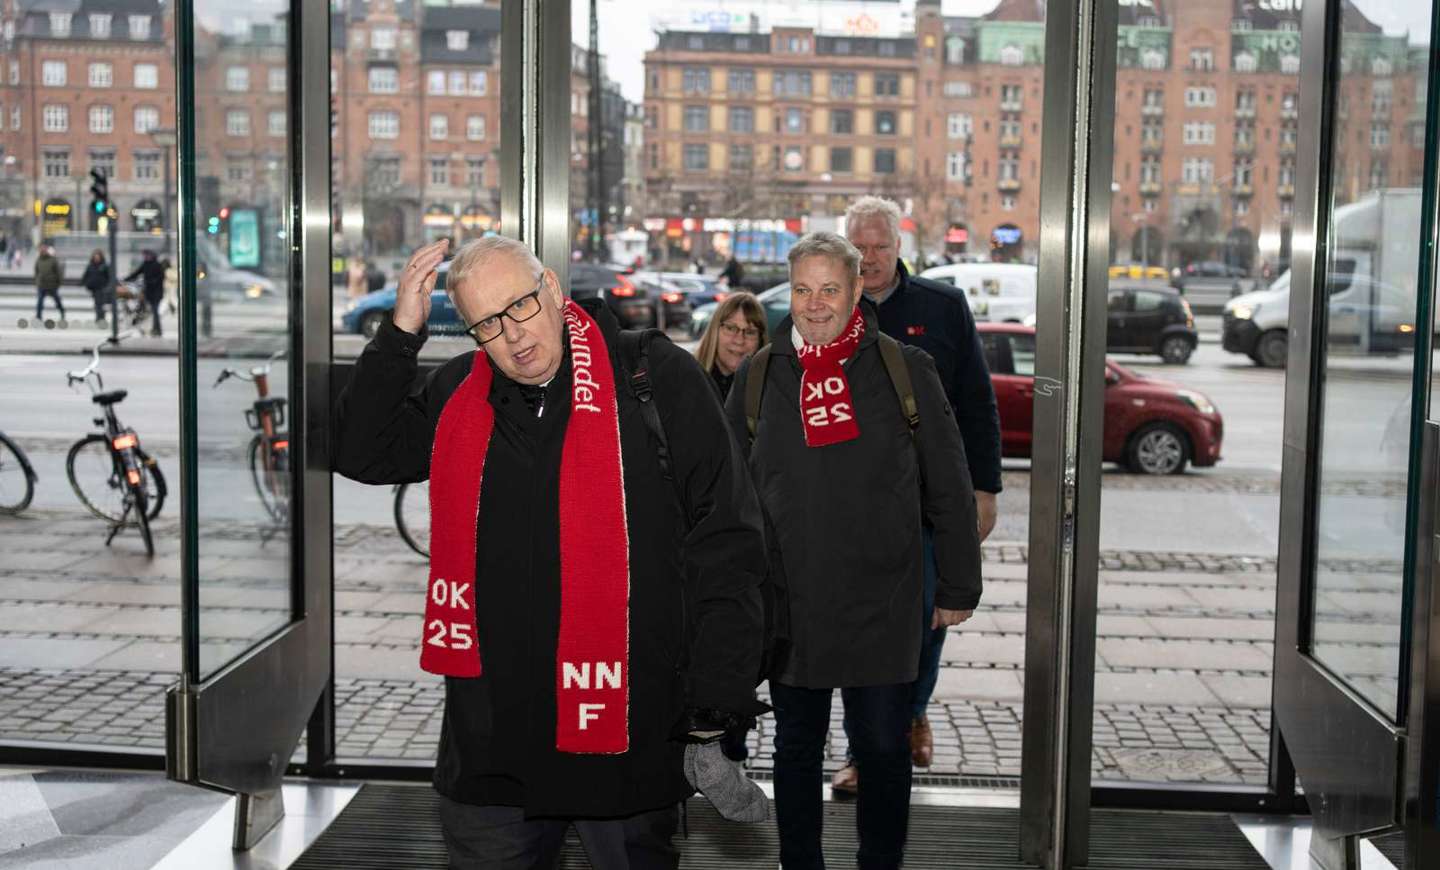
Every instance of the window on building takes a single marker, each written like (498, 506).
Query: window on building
(1245, 100)
(475, 171)
(475, 128)
(1245, 136)
(103, 162)
(384, 125)
(276, 80)
(959, 125)
(237, 122)
(384, 80)
(1245, 62)
(275, 123)
(1152, 59)
(60, 25)
(1379, 135)
(14, 72)
(1382, 94)
(479, 83)
(1290, 64)
(1009, 129)
(1150, 171)
(955, 166)
(1011, 97)
(1199, 97)
(139, 26)
(1007, 203)
(795, 121)
(1286, 176)
(102, 119)
(1379, 175)
(695, 80)
(695, 43)
(1381, 66)
(1154, 99)
(1199, 133)
(954, 51)
(884, 161)
(1242, 207)
(653, 152)
(385, 171)
(842, 121)
(382, 39)
(57, 163)
(1197, 170)
(959, 89)
(742, 119)
(102, 75)
(238, 173)
(435, 82)
(147, 118)
(792, 83)
(1202, 59)
(1288, 135)
(147, 165)
(1008, 167)
(842, 159)
(842, 85)
(457, 83)
(1012, 55)
(887, 84)
(795, 45)
(237, 78)
(147, 76)
(697, 119)
(99, 26)
(439, 170)
(439, 127)
(52, 73)
(740, 80)
(55, 119)
(697, 157)
(1244, 172)
(457, 40)
(885, 123)
(742, 157)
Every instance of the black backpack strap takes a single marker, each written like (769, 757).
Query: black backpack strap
(894, 357)
(636, 363)
(755, 388)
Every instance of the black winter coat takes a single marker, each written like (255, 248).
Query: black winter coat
(936, 318)
(152, 276)
(845, 519)
(96, 277)
(695, 610)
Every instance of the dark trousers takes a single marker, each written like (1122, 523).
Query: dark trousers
(878, 716)
(153, 302)
(40, 295)
(501, 838)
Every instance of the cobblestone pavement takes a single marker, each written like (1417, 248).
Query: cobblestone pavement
(89, 641)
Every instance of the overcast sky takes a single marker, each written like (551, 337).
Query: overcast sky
(625, 32)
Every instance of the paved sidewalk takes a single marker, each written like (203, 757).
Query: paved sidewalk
(89, 638)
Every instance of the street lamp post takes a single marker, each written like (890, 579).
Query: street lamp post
(165, 138)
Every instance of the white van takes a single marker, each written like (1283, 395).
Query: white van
(1000, 292)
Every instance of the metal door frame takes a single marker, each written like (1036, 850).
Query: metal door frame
(235, 730)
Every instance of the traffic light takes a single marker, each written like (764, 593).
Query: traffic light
(213, 226)
(99, 192)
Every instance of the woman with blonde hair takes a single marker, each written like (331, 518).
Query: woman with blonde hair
(734, 333)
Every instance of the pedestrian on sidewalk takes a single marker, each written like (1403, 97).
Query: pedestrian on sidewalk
(588, 626)
(97, 280)
(936, 318)
(853, 447)
(49, 273)
(152, 276)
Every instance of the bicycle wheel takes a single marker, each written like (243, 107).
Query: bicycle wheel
(141, 508)
(97, 478)
(155, 489)
(412, 515)
(17, 481)
(272, 485)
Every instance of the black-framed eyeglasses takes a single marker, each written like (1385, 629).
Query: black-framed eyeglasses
(487, 329)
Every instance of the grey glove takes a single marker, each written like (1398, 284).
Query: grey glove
(724, 784)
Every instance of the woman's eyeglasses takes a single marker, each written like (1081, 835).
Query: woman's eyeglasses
(490, 328)
(733, 331)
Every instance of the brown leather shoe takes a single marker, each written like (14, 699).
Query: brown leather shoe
(846, 780)
(922, 742)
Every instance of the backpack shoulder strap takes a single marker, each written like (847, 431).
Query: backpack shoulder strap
(755, 388)
(894, 357)
(635, 359)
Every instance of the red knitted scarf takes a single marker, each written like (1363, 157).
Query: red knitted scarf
(825, 405)
(592, 666)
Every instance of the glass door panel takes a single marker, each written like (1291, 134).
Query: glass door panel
(1370, 285)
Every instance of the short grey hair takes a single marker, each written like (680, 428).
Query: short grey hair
(824, 244)
(476, 253)
(874, 208)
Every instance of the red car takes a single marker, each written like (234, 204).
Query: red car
(1151, 426)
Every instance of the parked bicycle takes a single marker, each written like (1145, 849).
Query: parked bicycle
(412, 515)
(269, 450)
(17, 477)
(112, 476)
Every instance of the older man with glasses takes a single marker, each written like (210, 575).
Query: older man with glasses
(593, 602)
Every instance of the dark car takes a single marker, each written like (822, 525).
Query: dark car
(631, 304)
(1213, 269)
(1151, 426)
(1150, 319)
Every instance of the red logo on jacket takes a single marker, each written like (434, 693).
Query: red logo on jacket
(915, 330)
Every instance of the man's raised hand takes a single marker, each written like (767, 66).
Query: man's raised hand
(412, 293)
